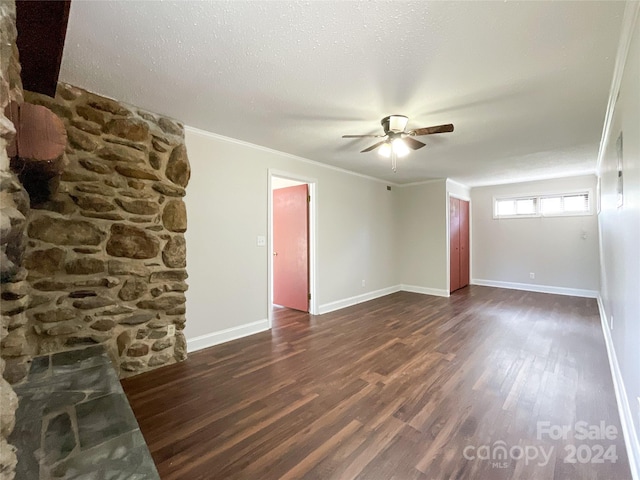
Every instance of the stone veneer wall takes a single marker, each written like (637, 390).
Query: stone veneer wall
(106, 253)
(14, 204)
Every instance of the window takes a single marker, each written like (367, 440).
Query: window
(563, 204)
(515, 207)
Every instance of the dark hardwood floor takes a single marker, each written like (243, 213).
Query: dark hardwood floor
(407, 386)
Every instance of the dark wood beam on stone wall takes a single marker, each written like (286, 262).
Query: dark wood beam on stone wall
(42, 27)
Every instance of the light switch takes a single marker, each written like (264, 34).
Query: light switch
(261, 241)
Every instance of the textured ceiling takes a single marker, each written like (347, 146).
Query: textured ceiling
(525, 83)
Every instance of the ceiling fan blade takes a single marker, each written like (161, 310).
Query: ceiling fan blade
(412, 143)
(431, 130)
(362, 136)
(372, 147)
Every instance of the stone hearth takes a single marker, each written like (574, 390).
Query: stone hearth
(74, 421)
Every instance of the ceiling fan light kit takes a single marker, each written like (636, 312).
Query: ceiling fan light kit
(396, 146)
(385, 150)
(397, 141)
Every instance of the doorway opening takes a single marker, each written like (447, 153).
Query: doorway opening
(292, 242)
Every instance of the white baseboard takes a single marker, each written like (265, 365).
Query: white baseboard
(631, 439)
(348, 302)
(216, 338)
(574, 292)
(438, 292)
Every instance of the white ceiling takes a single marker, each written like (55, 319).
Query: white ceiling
(525, 83)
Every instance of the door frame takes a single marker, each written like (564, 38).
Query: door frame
(312, 186)
(466, 199)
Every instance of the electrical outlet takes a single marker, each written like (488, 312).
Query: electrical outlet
(171, 330)
(532, 275)
(364, 283)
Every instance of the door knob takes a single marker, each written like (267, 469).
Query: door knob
(275, 254)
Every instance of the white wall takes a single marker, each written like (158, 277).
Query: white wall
(505, 251)
(620, 237)
(227, 207)
(423, 239)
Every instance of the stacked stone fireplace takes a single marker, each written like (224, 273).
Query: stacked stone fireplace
(12, 222)
(105, 251)
(97, 254)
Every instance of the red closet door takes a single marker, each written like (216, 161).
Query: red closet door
(464, 243)
(454, 243)
(458, 243)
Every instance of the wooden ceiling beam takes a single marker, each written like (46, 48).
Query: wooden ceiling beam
(42, 27)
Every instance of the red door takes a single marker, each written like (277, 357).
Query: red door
(454, 244)
(458, 244)
(464, 243)
(291, 247)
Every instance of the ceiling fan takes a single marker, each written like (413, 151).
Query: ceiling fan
(398, 142)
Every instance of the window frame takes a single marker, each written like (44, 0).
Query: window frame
(537, 198)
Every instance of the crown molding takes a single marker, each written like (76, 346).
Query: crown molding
(285, 154)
